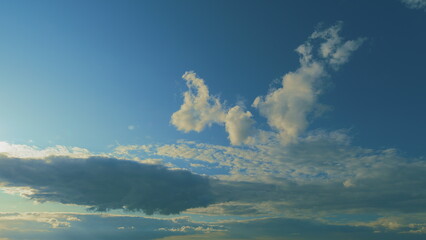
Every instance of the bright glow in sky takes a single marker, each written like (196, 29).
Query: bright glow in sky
(212, 120)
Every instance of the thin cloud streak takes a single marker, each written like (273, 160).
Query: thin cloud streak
(415, 4)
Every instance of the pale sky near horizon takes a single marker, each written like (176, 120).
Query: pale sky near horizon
(212, 119)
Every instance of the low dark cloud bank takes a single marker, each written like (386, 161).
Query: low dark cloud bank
(108, 183)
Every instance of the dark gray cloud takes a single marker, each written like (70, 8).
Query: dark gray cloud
(384, 185)
(108, 183)
(322, 173)
(380, 189)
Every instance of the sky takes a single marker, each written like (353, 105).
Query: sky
(168, 120)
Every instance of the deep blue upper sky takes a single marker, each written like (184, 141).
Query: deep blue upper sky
(79, 73)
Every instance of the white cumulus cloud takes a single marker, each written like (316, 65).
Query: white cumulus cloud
(239, 125)
(286, 108)
(199, 109)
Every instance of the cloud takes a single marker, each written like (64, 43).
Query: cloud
(320, 177)
(239, 125)
(55, 220)
(333, 50)
(286, 108)
(415, 4)
(296, 229)
(193, 229)
(26, 151)
(287, 228)
(229, 208)
(323, 174)
(43, 226)
(199, 109)
(107, 183)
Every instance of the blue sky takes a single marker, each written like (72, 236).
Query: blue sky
(230, 115)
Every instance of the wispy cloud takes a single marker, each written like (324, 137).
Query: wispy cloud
(415, 4)
(46, 226)
(68, 226)
(27, 151)
(297, 229)
(55, 220)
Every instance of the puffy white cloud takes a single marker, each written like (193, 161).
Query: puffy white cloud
(199, 109)
(239, 125)
(287, 108)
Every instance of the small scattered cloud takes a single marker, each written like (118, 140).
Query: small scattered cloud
(196, 165)
(323, 174)
(85, 226)
(295, 229)
(415, 4)
(28, 151)
(88, 226)
(55, 220)
(20, 191)
(334, 50)
(186, 229)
